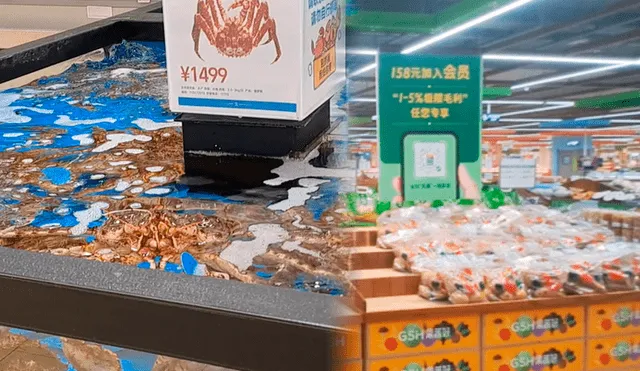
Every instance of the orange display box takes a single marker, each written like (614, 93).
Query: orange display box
(610, 319)
(349, 366)
(459, 361)
(567, 356)
(348, 345)
(620, 352)
(423, 336)
(533, 326)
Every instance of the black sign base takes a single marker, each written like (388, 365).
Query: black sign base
(252, 136)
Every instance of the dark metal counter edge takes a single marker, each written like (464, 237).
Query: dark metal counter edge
(226, 323)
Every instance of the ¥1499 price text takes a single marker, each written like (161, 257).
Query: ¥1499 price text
(203, 74)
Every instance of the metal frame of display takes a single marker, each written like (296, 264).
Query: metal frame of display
(226, 323)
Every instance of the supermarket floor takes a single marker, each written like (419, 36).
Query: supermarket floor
(27, 351)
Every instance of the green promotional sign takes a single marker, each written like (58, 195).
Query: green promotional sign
(429, 124)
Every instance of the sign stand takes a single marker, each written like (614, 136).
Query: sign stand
(253, 78)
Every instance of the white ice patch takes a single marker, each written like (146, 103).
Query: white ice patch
(12, 135)
(27, 161)
(122, 185)
(119, 163)
(97, 176)
(137, 182)
(113, 140)
(297, 223)
(155, 169)
(157, 191)
(137, 190)
(84, 139)
(56, 86)
(298, 195)
(8, 113)
(134, 151)
(146, 124)
(86, 217)
(158, 179)
(123, 72)
(241, 253)
(292, 169)
(64, 120)
(295, 246)
(135, 206)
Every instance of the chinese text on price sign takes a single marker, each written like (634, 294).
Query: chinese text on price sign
(203, 74)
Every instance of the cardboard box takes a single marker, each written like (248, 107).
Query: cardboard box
(348, 345)
(614, 353)
(423, 336)
(567, 356)
(458, 361)
(512, 328)
(274, 59)
(609, 319)
(349, 366)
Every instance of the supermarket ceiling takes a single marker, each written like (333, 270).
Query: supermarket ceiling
(598, 74)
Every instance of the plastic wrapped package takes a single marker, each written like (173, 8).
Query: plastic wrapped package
(432, 280)
(432, 285)
(505, 283)
(475, 254)
(399, 239)
(584, 275)
(456, 277)
(542, 278)
(618, 268)
(466, 285)
(404, 218)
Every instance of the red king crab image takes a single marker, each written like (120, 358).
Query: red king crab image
(235, 36)
(327, 37)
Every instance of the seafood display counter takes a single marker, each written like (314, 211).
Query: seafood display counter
(447, 302)
(107, 240)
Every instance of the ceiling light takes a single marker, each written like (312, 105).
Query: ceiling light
(364, 69)
(625, 121)
(557, 59)
(622, 114)
(363, 100)
(570, 75)
(617, 127)
(551, 108)
(512, 126)
(362, 51)
(519, 102)
(465, 26)
(530, 120)
(528, 102)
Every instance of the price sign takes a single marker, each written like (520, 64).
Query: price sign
(517, 172)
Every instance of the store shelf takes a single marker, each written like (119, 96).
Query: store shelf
(370, 257)
(384, 282)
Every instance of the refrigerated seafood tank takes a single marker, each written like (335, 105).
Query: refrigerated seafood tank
(106, 239)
